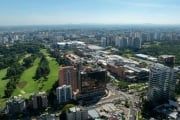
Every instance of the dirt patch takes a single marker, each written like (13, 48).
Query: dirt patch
(22, 84)
(23, 92)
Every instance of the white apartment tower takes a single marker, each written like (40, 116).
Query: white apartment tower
(64, 93)
(104, 42)
(162, 80)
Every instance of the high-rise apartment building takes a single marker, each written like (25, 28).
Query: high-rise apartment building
(162, 80)
(68, 76)
(107, 41)
(15, 105)
(128, 42)
(121, 42)
(137, 43)
(64, 93)
(39, 101)
(104, 42)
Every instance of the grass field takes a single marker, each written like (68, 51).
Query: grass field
(3, 74)
(149, 44)
(25, 56)
(2, 87)
(3, 82)
(28, 85)
(27, 78)
(53, 75)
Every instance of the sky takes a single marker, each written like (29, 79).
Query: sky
(53, 12)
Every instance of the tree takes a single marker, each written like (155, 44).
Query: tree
(28, 61)
(15, 70)
(43, 69)
(66, 107)
(126, 104)
(122, 85)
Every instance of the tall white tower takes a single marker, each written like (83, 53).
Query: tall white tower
(162, 81)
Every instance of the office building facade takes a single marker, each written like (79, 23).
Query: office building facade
(92, 81)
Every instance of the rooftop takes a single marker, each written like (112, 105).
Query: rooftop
(93, 113)
(71, 42)
(166, 56)
(95, 47)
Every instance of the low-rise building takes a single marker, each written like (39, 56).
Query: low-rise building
(168, 60)
(70, 44)
(134, 73)
(93, 114)
(77, 113)
(72, 59)
(167, 111)
(116, 69)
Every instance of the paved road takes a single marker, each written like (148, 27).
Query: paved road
(117, 94)
(132, 99)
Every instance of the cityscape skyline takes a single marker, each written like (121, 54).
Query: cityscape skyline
(19, 12)
(99, 71)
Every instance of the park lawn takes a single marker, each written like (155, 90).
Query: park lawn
(44, 51)
(53, 75)
(25, 56)
(30, 85)
(146, 45)
(3, 87)
(3, 82)
(149, 44)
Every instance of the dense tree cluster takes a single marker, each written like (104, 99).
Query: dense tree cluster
(43, 69)
(10, 55)
(15, 70)
(123, 85)
(155, 48)
(13, 74)
(59, 57)
(6, 61)
(11, 85)
(164, 47)
(28, 62)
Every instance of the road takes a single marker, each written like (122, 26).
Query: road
(132, 99)
(115, 94)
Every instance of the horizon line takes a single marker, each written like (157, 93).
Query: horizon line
(94, 24)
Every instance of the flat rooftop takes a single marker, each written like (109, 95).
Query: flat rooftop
(95, 47)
